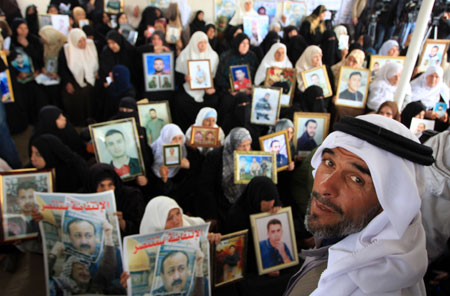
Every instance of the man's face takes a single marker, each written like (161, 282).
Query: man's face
(152, 114)
(354, 83)
(315, 80)
(275, 233)
(267, 97)
(434, 51)
(240, 75)
(275, 147)
(311, 129)
(25, 200)
(420, 127)
(80, 273)
(175, 273)
(343, 199)
(82, 236)
(171, 151)
(158, 65)
(115, 144)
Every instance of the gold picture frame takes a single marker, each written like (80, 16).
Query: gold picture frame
(204, 132)
(301, 122)
(323, 82)
(113, 9)
(203, 69)
(247, 78)
(244, 171)
(5, 77)
(285, 158)
(357, 99)
(265, 105)
(376, 62)
(288, 75)
(437, 59)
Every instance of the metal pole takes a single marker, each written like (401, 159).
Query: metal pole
(413, 50)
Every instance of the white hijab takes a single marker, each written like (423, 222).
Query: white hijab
(156, 213)
(381, 90)
(204, 113)
(305, 63)
(191, 52)
(388, 45)
(269, 61)
(429, 96)
(165, 137)
(83, 63)
(388, 256)
(238, 17)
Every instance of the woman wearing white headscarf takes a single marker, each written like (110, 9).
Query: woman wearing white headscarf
(245, 8)
(189, 102)
(384, 85)
(275, 57)
(389, 48)
(77, 66)
(311, 58)
(354, 59)
(207, 117)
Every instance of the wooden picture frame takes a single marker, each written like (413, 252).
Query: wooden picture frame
(264, 164)
(121, 141)
(322, 80)
(113, 6)
(306, 136)
(262, 226)
(276, 77)
(160, 110)
(201, 78)
(161, 79)
(246, 80)
(376, 62)
(6, 87)
(345, 97)
(200, 135)
(238, 241)
(431, 57)
(268, 143)
(173, 34)
(265, 107)
(172, 159)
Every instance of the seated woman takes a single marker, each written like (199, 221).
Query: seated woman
(245, 8)
(389, 48)
(276, 57)
(120, 87)
(389, 109)
(412, 110)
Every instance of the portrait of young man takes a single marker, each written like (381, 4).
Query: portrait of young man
(153, 125)
(116, 145)
(306, 141)
(273, 250)
(352, 93)
(275, 146)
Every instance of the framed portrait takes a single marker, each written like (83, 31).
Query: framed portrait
(116, 142)
(113, 6)
(240, 78)
(440, 108)
(83, 23)
(277, 143)
(61, 23)
(310, 129)
(24, 64)
(266, 230)
(224, 8)
(45, 20)
(268, 8)
(161, 4)
(353, 87)
(418, 126)
(158, 71)
(250, 164)
(294, 11)
(204, 136)
(200, 73)
(318, 76)
(129, 33)
(173, 34)
(432, 54)
(17, 189)
(265, 105)
(51, 64)
(153, 117)
(6, 88)
(256, 28)
(376, 62)
(284, 78)
(172, 154)
(230, 258)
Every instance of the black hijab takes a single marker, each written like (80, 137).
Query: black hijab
(32, 20)
(313, 100)
(196, 24)
(271, 38)
(330, 48)
(237, 41)
(213, 42)
(411, 110)
(295, 48)
(286, 32)
(109, 59)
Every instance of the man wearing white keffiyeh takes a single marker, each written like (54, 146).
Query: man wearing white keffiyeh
(365, 212)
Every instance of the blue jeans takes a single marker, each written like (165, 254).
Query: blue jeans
(404, 32)
(384, 32)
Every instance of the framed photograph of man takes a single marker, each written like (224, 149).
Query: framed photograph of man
(61, 23)
(418, 126)
(274, 240)
(265, 105)
(204, 136)
(318, 76)
(117, 143)
(224, 8)
(172, 155)
(294, 11)
(256, 28)
(17, 201)
(440, 108)
(6, 88)
(113, 6)
(240, 78)
(268, 8)
(173, 34)
(353, 87)
(376, 62)
(284, 78)
(153, 117)
(161, 4)
(310, 129)
(279, 144)
(200, 73)
(432, 54)
(24, 64)
(45, 20)
(230, 258)
(158, 71)
(250, 164)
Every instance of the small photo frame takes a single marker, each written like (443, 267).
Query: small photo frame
(353, 87)
(204, 136)
(224, 8)
(51, 65)
(240, 79)
(376, 62)
(318, 76)
(173, 34)
(256, 28)
(265, 105)
(230, 258)
(294, 11)
(17, 189)
(172, 155)
(310, 129)
(117, 143)
(250, 164)
(432, 54)
(200, 73)
(158, 71)
(113, 6)
(129, 33)
(284, 78)
(440, 108)
(6, 88)
(161, 4)
(277, 143)
(153, 117)
(418, 126)
(268, 231)
(83, 23)
(45, 20)
(61, 23)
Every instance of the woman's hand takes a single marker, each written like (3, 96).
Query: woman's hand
(214, 238)
(185, 164)
(210, 91)
(187, 78)
(124, 278)
(164, 172)
(69, 88)
(122, 222)
(141, 180)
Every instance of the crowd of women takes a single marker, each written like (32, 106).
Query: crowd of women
(101, 78)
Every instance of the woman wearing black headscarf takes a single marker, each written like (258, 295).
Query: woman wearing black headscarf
(129, 201)
(31, 16)
(330, 49)
(149, 16)
(198, 23)
(313, 100)
(313, 27)
(412, 110)
(101, 24)
(271, 38)
(119, 88)
(47, 151)
(288, 33)
(210, 31)
(295, 48)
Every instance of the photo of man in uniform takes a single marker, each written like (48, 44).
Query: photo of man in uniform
(153, 126)
(352, 93)
(306, 142)
(263, 108)
(275, 146)
(273, 250)
(123, 164)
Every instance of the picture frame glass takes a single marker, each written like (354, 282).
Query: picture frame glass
(204, 137)
(253, 164)
(284, 78)
(158, 71)
(353, 87)
(378, 62)
(153, 117)
(319, 78)
(310, 133)
(279, 146)
(200, 72)
(418, 125)
(172, 155)
(265, 106)
(240, 78)
(432, 54)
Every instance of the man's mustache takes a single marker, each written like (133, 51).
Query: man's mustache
(85, 246)
(177, 282)
(327, 202)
